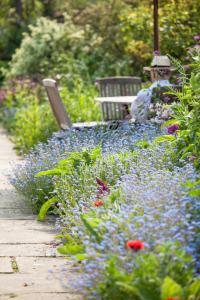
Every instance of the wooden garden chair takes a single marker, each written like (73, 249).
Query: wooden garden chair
(58, 108)
(117, 95)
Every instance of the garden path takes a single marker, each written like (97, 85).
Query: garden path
(30, 268)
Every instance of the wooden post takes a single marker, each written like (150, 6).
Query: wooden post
(156, 27)
(19, 9)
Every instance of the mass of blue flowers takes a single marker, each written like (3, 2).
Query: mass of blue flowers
(133, 193)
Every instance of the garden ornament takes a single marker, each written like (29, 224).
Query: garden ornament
(140, 107)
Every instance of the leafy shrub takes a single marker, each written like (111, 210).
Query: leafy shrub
(187, 115)
(79, 102)
(104, 38)
(28, 116)
(36, 48)
(33, 123)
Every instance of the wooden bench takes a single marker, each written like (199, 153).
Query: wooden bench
(116, 96)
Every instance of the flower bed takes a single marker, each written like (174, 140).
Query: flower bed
(46, 156)
(124, 211)
(128, 203)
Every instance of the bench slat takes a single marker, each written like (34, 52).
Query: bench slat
(117, 99)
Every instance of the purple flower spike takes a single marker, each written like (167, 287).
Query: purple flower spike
(103, 187)
(2, 95)
(173, 128)
(197, 37)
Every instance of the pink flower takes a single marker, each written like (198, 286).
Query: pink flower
(192, 158)
(173, 128)
(197, 37)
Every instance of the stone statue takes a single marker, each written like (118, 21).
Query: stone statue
(140, 107)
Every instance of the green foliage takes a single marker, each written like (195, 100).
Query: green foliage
(36, 48)
(170, 289)
(14, 18)
(187, 114)
(98, 38)
(74, 162)
(90, 224)
(79, 100)
(73, 249)
(28, 117)
(80, 41)
(45, 207)
(33, 124)
(164, 139)
(148, 279)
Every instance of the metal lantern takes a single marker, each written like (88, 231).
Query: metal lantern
(160, 68)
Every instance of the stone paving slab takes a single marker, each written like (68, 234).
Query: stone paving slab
(5, 265)
(30, 267)
(41, 296)
(29, 283)
(11, 199)
(15, 213)
(25, 232)
(40, 265)
(28, 250)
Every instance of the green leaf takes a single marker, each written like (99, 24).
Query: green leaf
(71, 249)
(45, 207)
(55, 171)
(170, 289)
(63, 162)
(142, 144)
(190, 184)
(187, 151)
(148, 293)
(194, 289)
(164, 139)
(194, 193)
(90, 228)
(127, 287)
(170, 122)
(81, 256)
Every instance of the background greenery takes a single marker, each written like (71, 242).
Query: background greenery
(106, 37)
(74, 42)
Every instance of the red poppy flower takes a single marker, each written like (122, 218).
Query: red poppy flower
(135, 245)
(173, 298)
(98, 203)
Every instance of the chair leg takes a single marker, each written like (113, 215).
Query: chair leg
(103, 112)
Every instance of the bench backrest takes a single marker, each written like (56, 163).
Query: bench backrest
(118, 86)
(57, 106)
